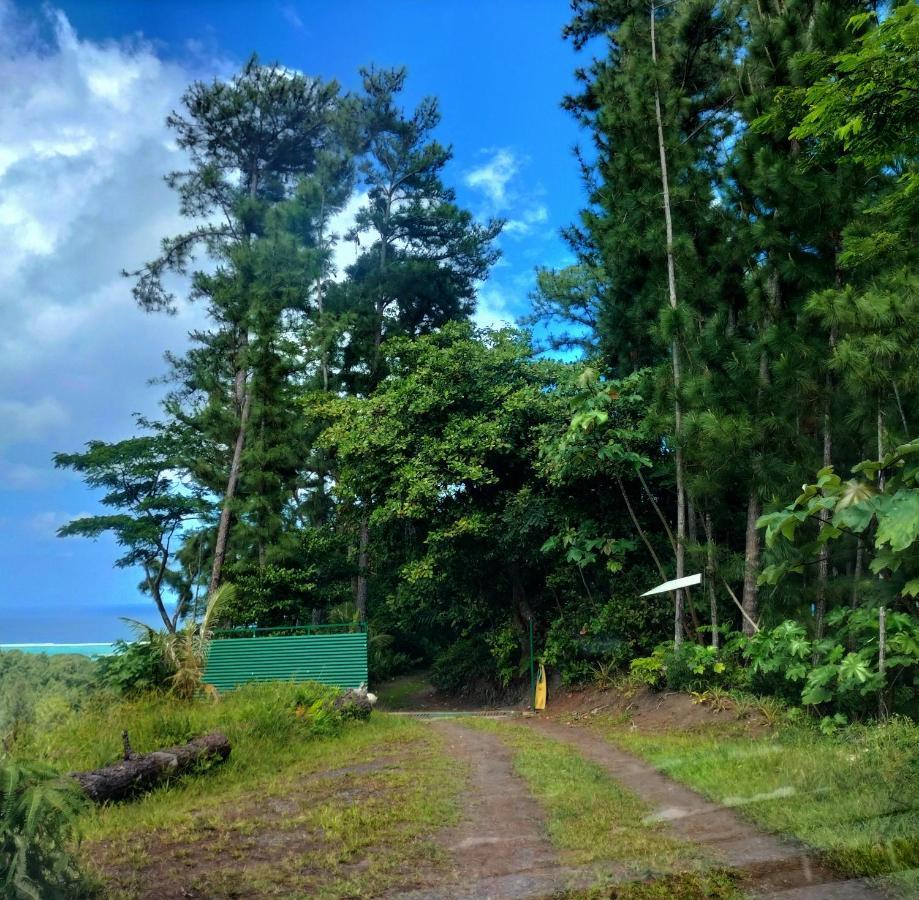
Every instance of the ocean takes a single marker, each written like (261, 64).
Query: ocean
(81, 649)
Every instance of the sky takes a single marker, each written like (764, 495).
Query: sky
(85, 88)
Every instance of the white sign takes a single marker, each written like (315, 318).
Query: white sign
(675, 585)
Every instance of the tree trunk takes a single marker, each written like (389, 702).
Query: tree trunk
(360, 593)
(674, 352)
(223, 529)
(710, 575)
(693, 537)
(751, 564)
(640, 530)
(141, 772)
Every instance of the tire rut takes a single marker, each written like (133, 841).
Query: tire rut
(773, 868)
(500, 849)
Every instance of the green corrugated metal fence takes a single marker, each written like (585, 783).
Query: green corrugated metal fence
(324, 653)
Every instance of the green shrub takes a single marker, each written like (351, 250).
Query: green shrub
(604, 637)
(135, 667)
(692, 667)
(463, 665)
(38, 816)
(648, 670)
(839, 674)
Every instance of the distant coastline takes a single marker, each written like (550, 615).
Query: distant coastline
(105, 648)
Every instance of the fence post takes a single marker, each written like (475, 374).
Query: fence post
(532, 671)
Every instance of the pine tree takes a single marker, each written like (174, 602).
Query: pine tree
(249, 142)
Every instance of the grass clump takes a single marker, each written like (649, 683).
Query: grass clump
(593, 820)
(854, 796)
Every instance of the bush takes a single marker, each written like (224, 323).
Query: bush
(692, 667)
(463, 666)
(135, 667)
(827, 674)
(38, 815)
(604, 638)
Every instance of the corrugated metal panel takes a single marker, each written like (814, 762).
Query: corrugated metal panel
(339, 659)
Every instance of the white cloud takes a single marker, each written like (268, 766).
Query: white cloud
(528, 220)
(292, 17)
(493, 308)
(345, 252)
(83, 155)
(46, 524)
(493, 177)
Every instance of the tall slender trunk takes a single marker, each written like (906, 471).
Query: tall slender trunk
(320, 303)
(859, 569)
(751, 564)
(640, 530)
(360, 592)
(692, 535)
(710, 575)
(674, 352)
(244, 399)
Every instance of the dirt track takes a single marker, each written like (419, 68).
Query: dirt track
(500, 849)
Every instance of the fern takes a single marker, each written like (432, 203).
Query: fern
(38, 824)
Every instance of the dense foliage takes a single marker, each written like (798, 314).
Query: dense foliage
(745, 309)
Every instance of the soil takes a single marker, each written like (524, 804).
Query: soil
(647, 710)
(500, 848)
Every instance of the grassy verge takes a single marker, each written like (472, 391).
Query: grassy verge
(853, 796)
(306, 806)
(593, 821)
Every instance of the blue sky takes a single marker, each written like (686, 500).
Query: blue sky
(87, 86)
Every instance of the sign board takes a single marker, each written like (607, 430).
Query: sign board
(675, 585)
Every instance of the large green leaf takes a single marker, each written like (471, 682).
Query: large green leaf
(898, 525)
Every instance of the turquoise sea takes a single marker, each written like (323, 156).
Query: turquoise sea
(82, 649)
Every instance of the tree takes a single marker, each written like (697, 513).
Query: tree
(423, 255)
(249, 141)
(658, 109)
(152, 503)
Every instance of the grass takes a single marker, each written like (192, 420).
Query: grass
(306, 806)
(853, 796)
(593, 821)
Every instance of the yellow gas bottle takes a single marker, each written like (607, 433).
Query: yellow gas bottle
(539, 701)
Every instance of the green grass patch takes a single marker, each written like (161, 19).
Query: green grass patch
(594, 821)
(354, 819)
(852, 796)
(307, 805)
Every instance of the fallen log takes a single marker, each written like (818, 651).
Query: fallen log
(139, 772)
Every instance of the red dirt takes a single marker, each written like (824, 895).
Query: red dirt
(647, 710)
